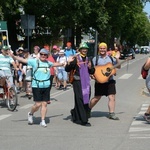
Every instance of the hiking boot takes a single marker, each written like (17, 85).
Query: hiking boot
(147, 117)
(113, 116)
(43, 124)
(30, 119)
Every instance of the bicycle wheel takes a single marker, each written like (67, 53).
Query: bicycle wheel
(12, 99)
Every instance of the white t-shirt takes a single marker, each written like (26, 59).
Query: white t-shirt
(61, 59)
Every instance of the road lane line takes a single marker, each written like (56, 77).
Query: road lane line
(139, 129)
(4, 116)
(26, 106)
(125, 76)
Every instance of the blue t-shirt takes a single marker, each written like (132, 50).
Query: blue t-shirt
(40, 73)
(69, 52)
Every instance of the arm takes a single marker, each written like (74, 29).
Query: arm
(18, 58)
(117, 61)
(14, 65)
(147, 64)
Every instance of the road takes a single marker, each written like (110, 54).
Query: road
(129, 133)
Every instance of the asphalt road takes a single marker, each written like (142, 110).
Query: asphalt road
(129, 133)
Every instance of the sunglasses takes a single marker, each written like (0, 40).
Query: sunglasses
(43, 54)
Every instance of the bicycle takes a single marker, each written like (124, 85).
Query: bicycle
(8, 95)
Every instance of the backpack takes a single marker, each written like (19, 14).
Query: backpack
(33, 73)
(144, 72)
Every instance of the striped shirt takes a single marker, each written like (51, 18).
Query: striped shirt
(5, 63)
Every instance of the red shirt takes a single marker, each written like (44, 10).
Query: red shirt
(51, 59)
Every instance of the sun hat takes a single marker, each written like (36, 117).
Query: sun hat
(43, 50)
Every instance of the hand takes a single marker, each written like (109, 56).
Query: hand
(71, 58)
(10, 53)
(92, 77)
(117, 55)
(89, 64)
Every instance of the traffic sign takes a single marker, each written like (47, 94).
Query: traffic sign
(3, 25)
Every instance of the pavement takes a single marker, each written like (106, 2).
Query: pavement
(146, 92)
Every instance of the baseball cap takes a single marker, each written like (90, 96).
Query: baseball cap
(20, 48)
(37, 47)
(61, 51)
(43, 50)
(55, 47)
(5, 47)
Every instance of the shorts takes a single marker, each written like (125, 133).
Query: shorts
(62, 75)
(41, 94)
(105, 89)
(147, 82)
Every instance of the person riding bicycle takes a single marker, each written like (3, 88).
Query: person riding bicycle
(5, 65)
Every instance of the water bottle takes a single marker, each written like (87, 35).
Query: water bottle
(28, 74)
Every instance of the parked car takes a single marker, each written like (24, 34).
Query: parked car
(127, 53)
(144, 51)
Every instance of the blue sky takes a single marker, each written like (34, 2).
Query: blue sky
(147, 8)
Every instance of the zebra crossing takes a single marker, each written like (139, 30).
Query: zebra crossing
(139, 128)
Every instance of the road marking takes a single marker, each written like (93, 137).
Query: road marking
(60, 92)
(142, 112)
(125, 76)
(145, 105)
(4, 116)
(26, 106)
(136, 129)
(139, 127)
(140, 77)
(138, 122)
(139, 136)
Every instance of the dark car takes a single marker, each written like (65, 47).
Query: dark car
(127, 53)
(144, 51)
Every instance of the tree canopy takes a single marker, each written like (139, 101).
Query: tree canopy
(124, 20)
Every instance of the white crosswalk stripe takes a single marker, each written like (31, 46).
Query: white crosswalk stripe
(4, 116)
(125, 76)
(139, 126)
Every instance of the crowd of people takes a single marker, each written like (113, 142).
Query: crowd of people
(55, 65)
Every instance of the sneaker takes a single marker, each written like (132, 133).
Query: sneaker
(30, 119)
(43, 124)
(112, 116)
(65, 88)
(147, 117)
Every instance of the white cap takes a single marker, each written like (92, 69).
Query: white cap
(61, 51)
(20, 48)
